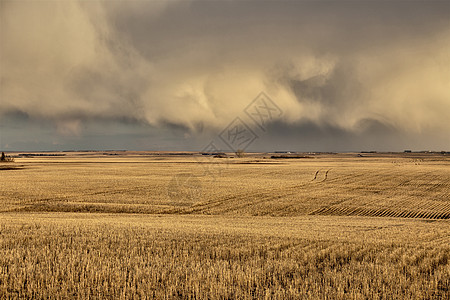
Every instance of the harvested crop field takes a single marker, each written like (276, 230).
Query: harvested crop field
(153, 225)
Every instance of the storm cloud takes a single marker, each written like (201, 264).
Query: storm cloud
(367, 73)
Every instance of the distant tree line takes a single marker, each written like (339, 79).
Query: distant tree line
(5, 158)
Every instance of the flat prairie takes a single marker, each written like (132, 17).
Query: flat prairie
(123, 225)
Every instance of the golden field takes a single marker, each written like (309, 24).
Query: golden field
(151, 225)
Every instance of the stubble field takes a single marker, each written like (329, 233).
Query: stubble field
(142, 225)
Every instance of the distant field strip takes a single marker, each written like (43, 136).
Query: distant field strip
(324, 227)
(332, 186)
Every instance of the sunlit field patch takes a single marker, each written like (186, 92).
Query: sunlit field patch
(325, 226)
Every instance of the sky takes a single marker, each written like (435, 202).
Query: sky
(254, 75)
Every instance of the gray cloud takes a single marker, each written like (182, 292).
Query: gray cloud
(343, 67)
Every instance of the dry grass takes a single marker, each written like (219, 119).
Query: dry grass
(110, 256)
(380, 186)
(338, 227)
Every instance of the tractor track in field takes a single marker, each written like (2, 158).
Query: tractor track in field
(241, 201)
(385, 192)
(407, 208)
(383, 212)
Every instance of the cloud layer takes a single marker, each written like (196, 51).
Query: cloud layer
(341, 66)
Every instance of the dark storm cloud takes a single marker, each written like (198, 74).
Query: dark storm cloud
(356, 70)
